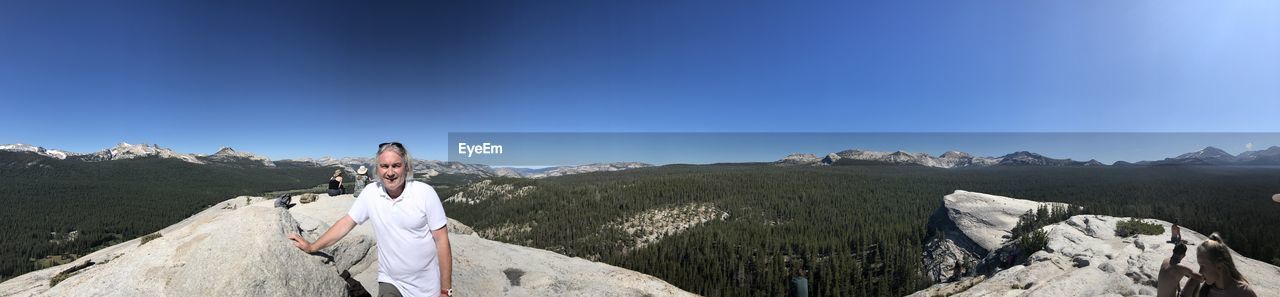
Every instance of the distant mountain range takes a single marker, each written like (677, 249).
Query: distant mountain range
(227, 156)
(124, 151)
(1214, 156)
(950, 159)
(954, 159)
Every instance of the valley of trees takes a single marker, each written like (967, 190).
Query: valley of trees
(108, 202)
(858, 230)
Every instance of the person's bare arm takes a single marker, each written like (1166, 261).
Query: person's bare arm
(1192, 274)
(335, 233)
(444, 255)
(1189, 290)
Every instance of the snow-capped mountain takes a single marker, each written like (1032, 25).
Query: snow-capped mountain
(894, 158)
(125, 150)
(576, 169)
(950, 159)
(353, 162)
(1025, 158)
(800, 159)
(19, 147)
(436, 167)
(953, 159)
(1207, 156)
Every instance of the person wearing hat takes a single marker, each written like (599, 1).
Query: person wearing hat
(362, 177)
(335, 183)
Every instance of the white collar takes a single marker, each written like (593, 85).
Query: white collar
(383, 192)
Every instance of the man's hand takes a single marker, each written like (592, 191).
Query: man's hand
(301, 243)
(335, 233)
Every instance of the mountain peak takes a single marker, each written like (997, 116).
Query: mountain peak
(1210, 150)
(229, 155)
(1209, 154)
(1023, 153)
(954, 154)
(225, 151)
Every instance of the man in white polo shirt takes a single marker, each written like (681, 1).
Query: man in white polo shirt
(414, 258)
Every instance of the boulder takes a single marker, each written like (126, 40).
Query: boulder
(308, 198)
(987, 219)
(968, 228)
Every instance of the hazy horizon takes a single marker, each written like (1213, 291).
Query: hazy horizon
(540, 150)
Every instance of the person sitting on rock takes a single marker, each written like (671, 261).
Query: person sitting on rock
(1177, 234)
(1221, 278)
(414, 257)
(335, 183)
(1172, 272)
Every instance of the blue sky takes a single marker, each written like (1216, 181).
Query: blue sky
(316, 78)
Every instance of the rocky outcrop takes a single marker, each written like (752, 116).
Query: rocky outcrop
(238, 248)
(232, 249)
(486, 189)
(1083, 257)
(652, 225)
(986, 219)
(968, 227)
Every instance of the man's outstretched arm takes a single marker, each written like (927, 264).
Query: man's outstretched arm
(335, 233)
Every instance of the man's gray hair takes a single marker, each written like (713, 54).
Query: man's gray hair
(398, 148)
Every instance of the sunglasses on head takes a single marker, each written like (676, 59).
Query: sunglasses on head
(393, 143)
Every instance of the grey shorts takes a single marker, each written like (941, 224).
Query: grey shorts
(388, 290)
